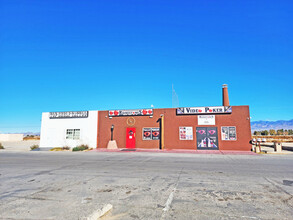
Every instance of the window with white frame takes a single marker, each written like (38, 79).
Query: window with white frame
(73, 134)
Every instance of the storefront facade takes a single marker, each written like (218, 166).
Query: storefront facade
(195, 128)
(181, 128)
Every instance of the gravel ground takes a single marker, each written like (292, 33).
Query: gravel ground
(19, 145)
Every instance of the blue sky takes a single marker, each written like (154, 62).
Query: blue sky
(92, 55)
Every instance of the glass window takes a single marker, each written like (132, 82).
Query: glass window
(76, 134)
(73, 134)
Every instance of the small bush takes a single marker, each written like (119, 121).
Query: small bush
(56, 149)
(60, 148)
(65, 148)
(35, 146)
(1, 146)
(80, 148)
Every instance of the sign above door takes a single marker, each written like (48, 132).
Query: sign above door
(135, 112)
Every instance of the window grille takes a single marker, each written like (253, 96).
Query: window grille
(73, 134)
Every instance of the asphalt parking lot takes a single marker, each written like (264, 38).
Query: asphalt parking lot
(73, 185)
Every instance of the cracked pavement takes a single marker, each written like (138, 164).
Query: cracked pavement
(72, 185)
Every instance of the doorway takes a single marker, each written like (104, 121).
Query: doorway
(130, 138)
(207, 138)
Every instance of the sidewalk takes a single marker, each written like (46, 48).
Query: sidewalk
(225, 152)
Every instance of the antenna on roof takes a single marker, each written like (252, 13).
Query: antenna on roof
(175, 99)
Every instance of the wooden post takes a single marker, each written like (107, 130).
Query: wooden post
(162, 132)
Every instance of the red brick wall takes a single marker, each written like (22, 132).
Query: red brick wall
(239, 118)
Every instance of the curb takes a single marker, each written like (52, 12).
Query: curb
(100, 212)
(122, 150)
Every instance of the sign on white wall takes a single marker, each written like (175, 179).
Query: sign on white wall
(206, 120)
(228, 133)
(72, 114)
(185, 133)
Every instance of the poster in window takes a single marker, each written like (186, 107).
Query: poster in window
(232, 133)
(147, 134)
(150, 134)
(229, 133)
(185, 133)
(155, 133)
(225, 133)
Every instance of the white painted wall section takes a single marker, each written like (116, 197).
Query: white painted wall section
(11, 137)
(53, 131)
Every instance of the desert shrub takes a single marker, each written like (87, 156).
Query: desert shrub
(60, 148)
(35, 146)
(56, 149)
(80, 148)
(1, 146)
(65, 148)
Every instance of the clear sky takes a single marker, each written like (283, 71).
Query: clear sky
(99, 55)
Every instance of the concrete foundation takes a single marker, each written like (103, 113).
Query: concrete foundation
(278, 147)
(112, 145)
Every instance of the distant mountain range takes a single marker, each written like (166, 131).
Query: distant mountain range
(267, 125)
(31, 133)
(24, 133)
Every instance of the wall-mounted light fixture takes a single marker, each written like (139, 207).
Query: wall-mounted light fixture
(112, 130)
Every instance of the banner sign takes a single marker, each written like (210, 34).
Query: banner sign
(73, 114)
(206, 120)
(185, 133)
(150, 134)
(228, 133)
(204, 110)
(136, 112)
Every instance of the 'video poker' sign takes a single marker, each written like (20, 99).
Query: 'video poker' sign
(204, 110)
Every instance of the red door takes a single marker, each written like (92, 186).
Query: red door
(130, 137)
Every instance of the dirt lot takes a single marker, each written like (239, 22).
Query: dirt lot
(19, 145)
